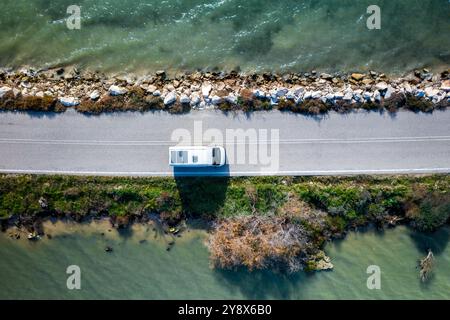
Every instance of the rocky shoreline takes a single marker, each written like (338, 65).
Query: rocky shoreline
(307, 93)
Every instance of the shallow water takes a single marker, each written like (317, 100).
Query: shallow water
(136, 270)
(284, 35)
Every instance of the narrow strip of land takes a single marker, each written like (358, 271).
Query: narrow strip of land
(137, 144)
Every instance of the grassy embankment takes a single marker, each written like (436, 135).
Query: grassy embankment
(250, 215)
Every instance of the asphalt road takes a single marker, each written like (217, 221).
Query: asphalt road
(137, 144)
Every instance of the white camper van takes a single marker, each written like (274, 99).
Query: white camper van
(196, 156)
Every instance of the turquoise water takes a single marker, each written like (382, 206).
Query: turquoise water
(136, 270)
(256, 35)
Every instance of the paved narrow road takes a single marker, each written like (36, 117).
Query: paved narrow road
(137, 144)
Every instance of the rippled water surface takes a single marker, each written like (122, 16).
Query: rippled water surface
(141, 268)
(298, 35)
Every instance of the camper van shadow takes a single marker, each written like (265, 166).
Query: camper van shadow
(223, 171)
(202, 196)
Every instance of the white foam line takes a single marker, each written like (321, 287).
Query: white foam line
(235, 173)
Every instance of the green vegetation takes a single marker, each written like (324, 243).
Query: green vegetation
(347, 200)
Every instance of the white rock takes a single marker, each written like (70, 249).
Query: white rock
(185, 99)
(69, 101)
(290, 95)
(329, 97)
(381, 86)
(348, 96)
(206, 89)
(339, 95)
(259, 94)
(94, 95)
(231, 98)
(281, 92)
(156, 93)
(117, 91)
(316, 94)
(195, 99)
(298, 90)
(431, 92)
(151, 88)
(40, 94)
(307, 95)
(215, 100)
(4, 90)
(445, 85)
(377, 96)
(389, 92)
(170, 98)
(367, 95)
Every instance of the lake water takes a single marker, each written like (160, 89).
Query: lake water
(256, 35)
(138, 269)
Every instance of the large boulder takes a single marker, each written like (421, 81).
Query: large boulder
(4, 90)
(117, 91)
(69, 101)
(170, 98)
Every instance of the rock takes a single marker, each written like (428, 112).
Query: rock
(358, 76)
(43, 203)
(215, 100)
(231, 98)
(381, 86)
(389, 92)
(367, 81)
(348, 96)
(156, 93)
(151, 88)
(161, 74)
(307, 95)
(69, 101)
(40, 94)
(185, 99)
(329, 97)
(259, 94)
(281, 92)
(108, 249)
(316, 94)
(377, 96)
(206, 89)
(117, 91)
(431, 92)
(94, 95)
(444, 86)
(339, 95)
(170, 98)
(326, 76)
(195, 99)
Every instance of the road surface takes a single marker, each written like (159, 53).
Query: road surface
(137, 144)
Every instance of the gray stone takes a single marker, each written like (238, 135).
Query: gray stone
(185, 99)
(4, 90)
(170, 98)
(117, 91)
(94, 95)
(69, 101)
